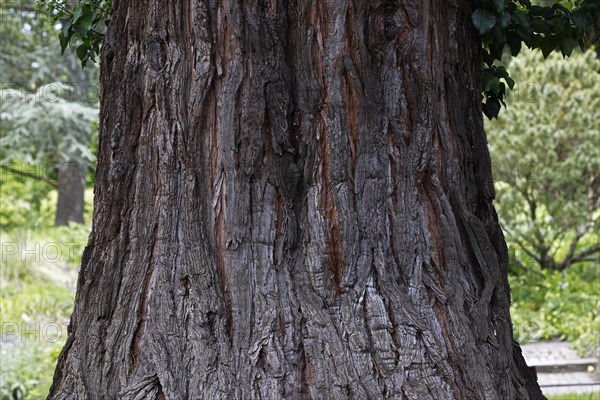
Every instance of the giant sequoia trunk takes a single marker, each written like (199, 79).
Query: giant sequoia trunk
(293, 201)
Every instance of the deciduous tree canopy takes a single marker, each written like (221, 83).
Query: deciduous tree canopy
(546, 157)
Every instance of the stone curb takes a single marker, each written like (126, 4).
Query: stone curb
(579, 365)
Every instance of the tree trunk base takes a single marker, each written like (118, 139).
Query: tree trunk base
(293, 201)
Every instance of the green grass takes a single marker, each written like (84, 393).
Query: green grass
(28, 366)
(37, 277)
(38, 269)
(587, 396)
(37, 301)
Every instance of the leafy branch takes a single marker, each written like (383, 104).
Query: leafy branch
(510, 23)
(82, 24)
(501, 24)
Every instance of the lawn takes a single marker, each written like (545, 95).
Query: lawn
(38, 269)
(587, 396)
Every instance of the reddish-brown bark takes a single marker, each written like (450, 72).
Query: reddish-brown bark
(293, 200)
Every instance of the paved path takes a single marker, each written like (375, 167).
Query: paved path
(560, 369)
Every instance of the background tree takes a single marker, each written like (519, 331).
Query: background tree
(545, 161)
(44, 128)
(48, 106)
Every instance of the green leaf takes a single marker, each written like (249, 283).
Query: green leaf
(83, 24)
(65, 25)
(566, 47)
(514, 42)
(79, 18)
(506, 19)
(491, 84)
(64, 42)
(488, 58)
(499, 35)
(562, 24)
(491, 108)
(520, 19)
(499, 5)
(78, 12)
(484, 20)
(526, 34)
(540, 26)
(510, 82)
(547, 45)
(580, 21)
(501, 72)
(82, 52)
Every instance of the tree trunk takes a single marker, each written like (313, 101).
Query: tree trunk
(71, 190)
(293, 201)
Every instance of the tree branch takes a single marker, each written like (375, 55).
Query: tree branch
(30, 175)
(582, 256)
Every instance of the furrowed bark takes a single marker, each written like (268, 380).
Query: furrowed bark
(293, 200)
